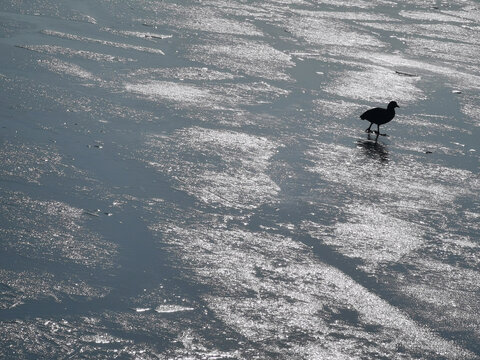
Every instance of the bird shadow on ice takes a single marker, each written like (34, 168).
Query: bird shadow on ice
(374, 150)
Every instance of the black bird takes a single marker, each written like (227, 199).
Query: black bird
(379, 116)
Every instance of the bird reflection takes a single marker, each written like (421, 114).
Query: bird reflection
(374, 150)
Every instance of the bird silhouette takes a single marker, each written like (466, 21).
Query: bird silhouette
(379, 116)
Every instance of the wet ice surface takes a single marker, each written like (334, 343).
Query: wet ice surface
(192, 180)
(217, 167)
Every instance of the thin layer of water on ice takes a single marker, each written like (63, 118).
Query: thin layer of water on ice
(293, 290)
(229, 167)
(210, 20)
(327, 32)
(87, 39)
(138, 34)
(377, 85)
(251, 57)
(72, 53)
(53, 230)
(192, 180)
(66, 68)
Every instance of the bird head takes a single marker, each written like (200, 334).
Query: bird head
(392, 105)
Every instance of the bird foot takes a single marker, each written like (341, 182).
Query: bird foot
(369, 131)
(376, 132)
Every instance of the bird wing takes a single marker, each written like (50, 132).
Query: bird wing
(373, 114)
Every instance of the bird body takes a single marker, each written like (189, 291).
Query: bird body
(379, 116)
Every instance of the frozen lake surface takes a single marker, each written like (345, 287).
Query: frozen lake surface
(191, 179)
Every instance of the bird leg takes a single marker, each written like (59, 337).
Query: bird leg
(368, 130)
(378, 131)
